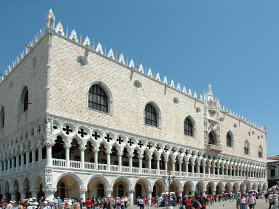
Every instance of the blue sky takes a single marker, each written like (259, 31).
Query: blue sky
(232, 43)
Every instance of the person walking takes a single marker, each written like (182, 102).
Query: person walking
(251, 201)
(238, 200)
(243, 202)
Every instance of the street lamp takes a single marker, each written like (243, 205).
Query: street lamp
(170, 179)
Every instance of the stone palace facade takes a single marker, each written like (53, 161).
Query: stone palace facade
(79, 121)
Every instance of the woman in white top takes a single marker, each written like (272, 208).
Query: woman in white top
(243, 202)
(251, 202)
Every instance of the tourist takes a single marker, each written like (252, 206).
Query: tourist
(238, 200)
(45, 205)
(141, 203)
(195, 204)
(251, 201)
(88, 203)
(148, 202)
(75, 205)
(243, 202)
(275, 199)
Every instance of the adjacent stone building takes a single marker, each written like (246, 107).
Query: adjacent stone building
(80, 121)
(273, 170)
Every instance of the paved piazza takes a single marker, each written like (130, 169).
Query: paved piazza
(261, 204)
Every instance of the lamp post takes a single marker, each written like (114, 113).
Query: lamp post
(170, 179)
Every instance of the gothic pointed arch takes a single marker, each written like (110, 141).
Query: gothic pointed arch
(189, 126)
(260, 152)
(246, 147)
(212, 139)
(24, 100)
(100, 97)
(229, 139)
(152, 114)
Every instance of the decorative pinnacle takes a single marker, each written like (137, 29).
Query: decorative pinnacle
(50, 19)
(209, 89)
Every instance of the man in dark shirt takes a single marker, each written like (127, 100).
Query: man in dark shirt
(195, 203)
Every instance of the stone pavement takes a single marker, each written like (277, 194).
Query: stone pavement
(261, 204)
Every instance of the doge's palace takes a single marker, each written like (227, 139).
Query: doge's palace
(78, 120)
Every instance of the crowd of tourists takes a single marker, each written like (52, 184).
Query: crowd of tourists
(243, 201)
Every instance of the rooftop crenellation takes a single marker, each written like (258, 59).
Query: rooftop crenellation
(58, 28)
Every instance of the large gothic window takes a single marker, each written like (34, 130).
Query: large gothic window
(246, 148)
(2, 117)
(24, 101)
(260, 152)
(151, 115)
(229, 139)
(188, 127)
(211, 138)
(97, 99)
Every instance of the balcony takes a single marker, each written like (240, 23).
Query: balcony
(213, 147)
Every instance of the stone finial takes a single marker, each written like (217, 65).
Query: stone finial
(195, 95)
(149, 73)
(141, 69)
(121, 59)
(178, 87)
(132, 64)
(158, 77)
(200, 97)
(99, 48)
(59, 29)
(111, 54)
(86, 41)
(209, 93)
(73, 36)
(50, 19)
(165, 81)
(189, 92)
(172, 84)
(184, 90)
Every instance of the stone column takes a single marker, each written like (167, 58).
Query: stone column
(213, 168)
(120, 161)
(17, 163)
(149, 163)
(49, 155)
(9, 161)
(186, 166)
(40, 153)
(108, 161)
(180, 166)
(49, 193)
(173, 160)
(218, 170)
(149, 194)
(96, 158)
(158, 166)
(33, 157)
(198, 167)
(193, 166)
(67, 155)
(166, 165)
(34, 192)
(82, 158)
(22, 161)
(140, 163)
(13, 195)
(131, 197)
(82, 193)
(108, 193)
(203, 168)
(130, 162)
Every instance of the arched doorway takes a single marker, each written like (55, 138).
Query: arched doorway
(26, 189)
(96, 188)
(67, 187)
(235, 188)
(188, 188)
(219, 188)
(210, 188)
(158, 188)
(200, 188)
(242, 188)
(7, 194)
(16, 190)
(39, 187)
(121, 187)
(141, 188)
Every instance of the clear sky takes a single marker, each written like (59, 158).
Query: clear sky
(232, 43)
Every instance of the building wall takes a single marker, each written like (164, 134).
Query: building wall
(31, 72)
(69, 84)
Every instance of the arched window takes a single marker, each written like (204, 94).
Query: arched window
(229, 139)
(2, 118)
(211, 138)
(24, 100)
(97, 99)
(260, 152)
(188, 127)
(151, 115)
(246, 148)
